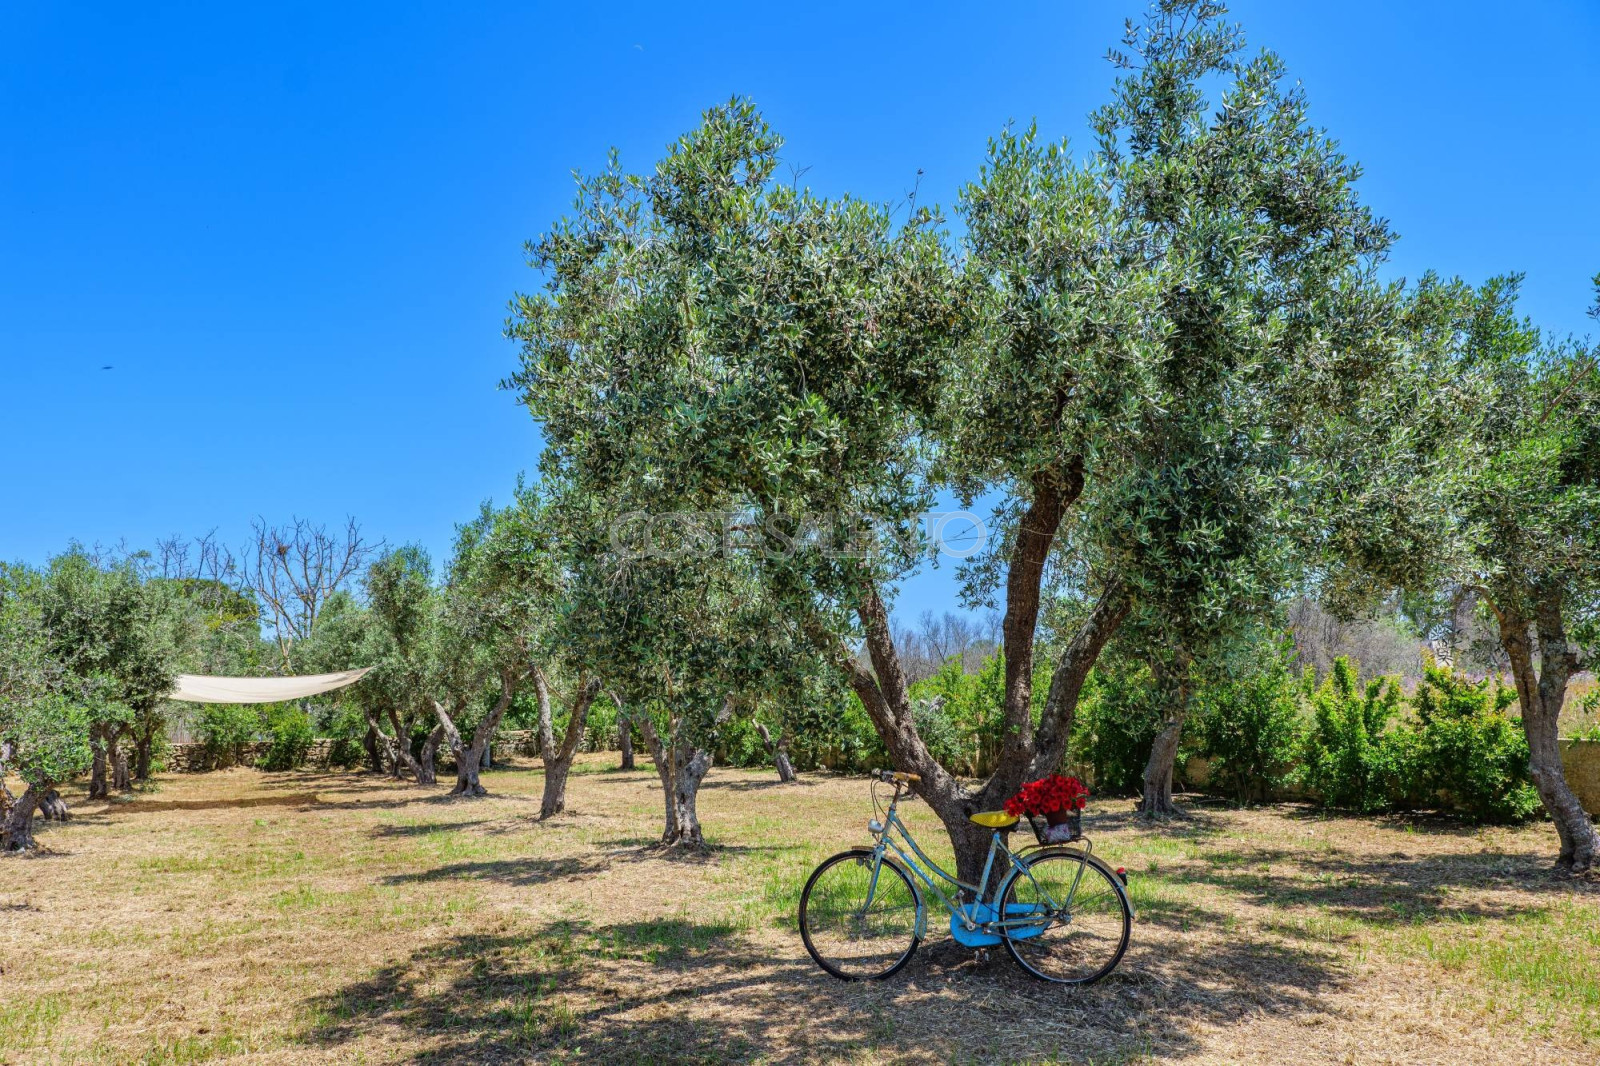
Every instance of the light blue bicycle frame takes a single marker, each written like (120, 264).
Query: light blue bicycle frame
(921, 865)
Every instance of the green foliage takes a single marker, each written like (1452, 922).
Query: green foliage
(45, 711)
(1349, 757)
(713, 340)
(1251, 724)
(104, 621)
(1119, 715)
(50, 737)
(1469, 754)
(289, 736)
(346, 726)
(838, 735)
(600, 730)
(827, 729)
(225, 729)
(960, 716)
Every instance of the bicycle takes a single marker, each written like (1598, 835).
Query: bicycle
(1061, 912)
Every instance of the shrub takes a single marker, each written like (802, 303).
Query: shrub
(600, 728)
(346, 727)
(967, 711)
(1349, 759)
(833, 732)
(289, 736)
(738, 744)
(1469, 755)
(1117, 720)
(1252, 726)
(224, 729)
(937, 726)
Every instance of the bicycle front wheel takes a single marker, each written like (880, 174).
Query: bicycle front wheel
(1068, 916)
(858, 916)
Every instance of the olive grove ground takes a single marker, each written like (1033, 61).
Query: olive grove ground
(331, 917)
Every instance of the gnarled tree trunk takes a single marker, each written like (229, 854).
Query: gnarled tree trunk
(1540, 696)
(1173, 680)
(544, 728)
(121, 780)
(558, 761)
(624, 739)
(144, 746)
(691, 772)
(427, 762)
(98, 788)
(402, 762)
(682, 768)
(52, 807)
(779, 750)
(471, 758)
(371, 742)
(16, 831)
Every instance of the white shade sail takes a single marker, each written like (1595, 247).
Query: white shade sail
(198, 688)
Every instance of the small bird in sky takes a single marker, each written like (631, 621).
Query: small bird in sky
(108, 368)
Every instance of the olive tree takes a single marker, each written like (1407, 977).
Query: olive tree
(44, 741)
(120, 635)
(711, 341)
(1532, 510)
(402, 646)
(1489, 456)
(715, 340)
(503, 606)
(692, 641)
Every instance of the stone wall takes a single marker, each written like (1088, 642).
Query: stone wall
(196, 759)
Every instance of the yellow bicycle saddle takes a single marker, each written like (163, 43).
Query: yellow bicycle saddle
(994, 819)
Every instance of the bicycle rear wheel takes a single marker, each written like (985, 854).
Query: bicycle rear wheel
(858, 918)
(1071, 916)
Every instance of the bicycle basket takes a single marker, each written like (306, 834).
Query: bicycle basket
(1061, 833)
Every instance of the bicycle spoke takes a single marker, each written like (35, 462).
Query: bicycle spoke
(1086, 932)
(854, 929)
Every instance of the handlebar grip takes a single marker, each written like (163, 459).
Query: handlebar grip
(895, 777)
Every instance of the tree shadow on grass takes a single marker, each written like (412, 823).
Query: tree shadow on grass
(1378, 891)
(300, 799)
(797, 785)
(680, 991)
(1423, 823)
(1191, 823)
(425, 829)
(439, 798)
(521, 872)
(368, 784)
(650, 849)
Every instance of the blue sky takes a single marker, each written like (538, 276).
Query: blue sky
(293, 229)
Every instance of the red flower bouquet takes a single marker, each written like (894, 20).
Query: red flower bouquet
(1058, 799)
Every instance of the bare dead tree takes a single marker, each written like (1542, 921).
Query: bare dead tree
(204, 560)
(296, 568)
(937, 639)
(1379, 646)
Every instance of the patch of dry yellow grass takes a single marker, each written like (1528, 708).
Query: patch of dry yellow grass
(343, 918)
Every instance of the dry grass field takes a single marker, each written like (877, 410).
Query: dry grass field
(339, 918)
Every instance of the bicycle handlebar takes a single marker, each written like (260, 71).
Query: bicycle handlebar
(895, 777)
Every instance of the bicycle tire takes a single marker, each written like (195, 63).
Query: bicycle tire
(1106, 889)
(861, 856)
